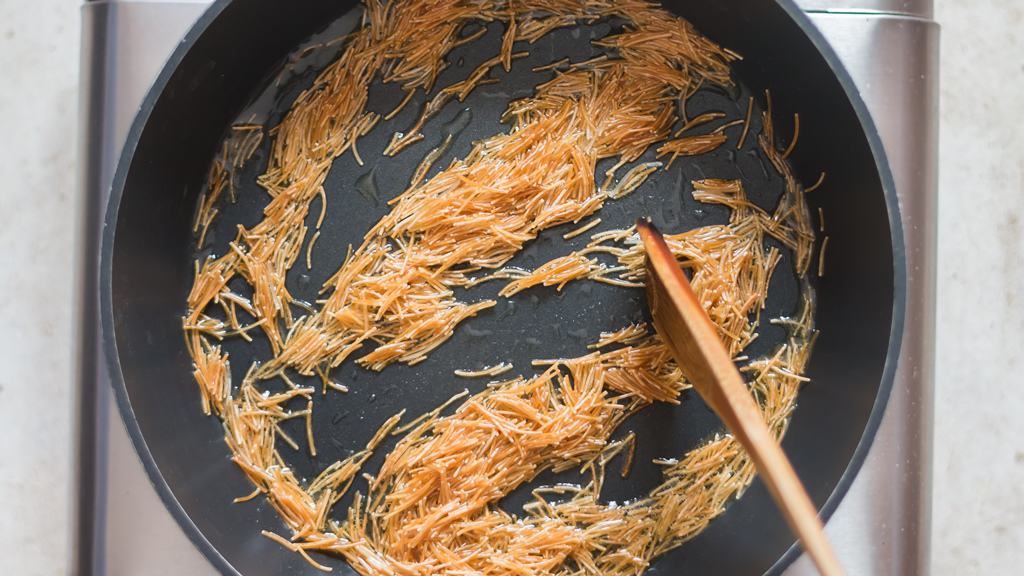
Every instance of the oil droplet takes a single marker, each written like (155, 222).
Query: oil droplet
(671, 210)
(510, 309)
(760, 161)
(459, 123)
(477, 333)
(366, 185)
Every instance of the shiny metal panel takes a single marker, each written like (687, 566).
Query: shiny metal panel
(880, 527)
(915, 8)
(90, 425)
(123, 529)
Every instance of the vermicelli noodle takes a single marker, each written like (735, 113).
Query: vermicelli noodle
(433, 506)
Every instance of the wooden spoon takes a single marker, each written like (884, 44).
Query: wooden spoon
(685, 327)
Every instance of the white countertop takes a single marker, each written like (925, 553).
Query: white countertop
(979, 434)
(979, 409)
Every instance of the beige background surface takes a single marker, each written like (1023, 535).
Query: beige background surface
(979, 431)
(979, 413)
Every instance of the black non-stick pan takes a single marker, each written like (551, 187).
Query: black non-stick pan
(239, 63)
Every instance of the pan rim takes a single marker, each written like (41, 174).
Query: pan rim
(109, 342)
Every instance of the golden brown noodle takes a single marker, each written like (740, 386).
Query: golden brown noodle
(821, 257)
(813, 187)
(691, 146)
(746, 123)
(309, 250)
(495, 370)
(796, 136)
(578, 231)
(629, 335)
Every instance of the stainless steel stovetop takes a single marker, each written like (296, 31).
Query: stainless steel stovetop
(881, 527)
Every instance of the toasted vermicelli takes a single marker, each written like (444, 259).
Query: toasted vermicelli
(433, 506)
(495, 370)
(629, 335)
(579, 231)
(691, 145)
(476, 214)
(396, 289)
(237, 148)
(730, 262)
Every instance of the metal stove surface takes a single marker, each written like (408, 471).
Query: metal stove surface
(881, 527)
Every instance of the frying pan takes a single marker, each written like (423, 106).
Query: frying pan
(239, 61)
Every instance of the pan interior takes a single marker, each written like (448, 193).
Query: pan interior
(153, 256)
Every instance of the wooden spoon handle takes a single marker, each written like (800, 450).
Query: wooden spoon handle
(684, 325)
